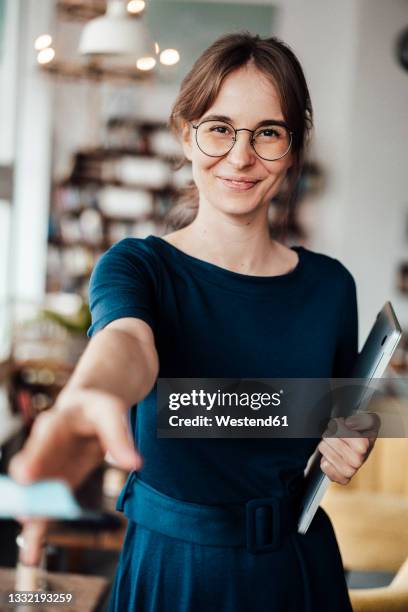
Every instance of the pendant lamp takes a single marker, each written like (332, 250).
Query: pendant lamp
(115, 34)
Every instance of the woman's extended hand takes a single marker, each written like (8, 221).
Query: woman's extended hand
(342, 457)
(71, 439)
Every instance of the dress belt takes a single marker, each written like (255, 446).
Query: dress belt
(260, 525)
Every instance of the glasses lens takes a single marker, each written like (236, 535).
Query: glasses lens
(272, 141)
(215, 138)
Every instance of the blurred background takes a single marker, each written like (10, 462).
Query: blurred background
(86, 159)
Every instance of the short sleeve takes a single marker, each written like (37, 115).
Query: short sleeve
(347, 343)
(123, 284)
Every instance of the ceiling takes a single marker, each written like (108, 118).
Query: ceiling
(187, 25)
(190, 27)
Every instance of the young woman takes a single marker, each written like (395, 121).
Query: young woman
(218, 298)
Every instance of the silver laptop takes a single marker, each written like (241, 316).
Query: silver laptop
(371, 363)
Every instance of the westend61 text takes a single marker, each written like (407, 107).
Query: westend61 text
(227, 421)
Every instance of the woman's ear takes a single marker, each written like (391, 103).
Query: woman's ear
(186, 140)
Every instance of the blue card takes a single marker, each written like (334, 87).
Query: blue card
(45, 498)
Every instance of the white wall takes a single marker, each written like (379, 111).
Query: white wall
(8, 83)
(376, 229)
(8, 89)
(360, 98)
(323, 36)
(33, 158)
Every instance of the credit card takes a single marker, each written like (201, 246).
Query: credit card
(44, 498)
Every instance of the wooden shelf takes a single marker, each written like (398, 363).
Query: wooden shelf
(94, 72)
(133, 122)
(103, 153)
(108, 539)
(5, 370)
(100, 182)
(78, 10)
(59, 242)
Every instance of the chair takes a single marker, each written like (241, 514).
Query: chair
(393, 598)
(370, 514)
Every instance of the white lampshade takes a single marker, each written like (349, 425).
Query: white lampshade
(116, 33)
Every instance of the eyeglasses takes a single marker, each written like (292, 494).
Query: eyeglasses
(216, 138)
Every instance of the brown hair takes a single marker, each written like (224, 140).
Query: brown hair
(200, 89)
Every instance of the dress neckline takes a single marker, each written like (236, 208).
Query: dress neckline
(225, 274)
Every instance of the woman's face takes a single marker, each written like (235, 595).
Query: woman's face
(246, 98)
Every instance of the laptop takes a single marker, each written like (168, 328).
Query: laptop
(371, 363)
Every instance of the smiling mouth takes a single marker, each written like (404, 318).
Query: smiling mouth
(238, 184)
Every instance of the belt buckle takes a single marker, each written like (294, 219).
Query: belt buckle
(263, 525)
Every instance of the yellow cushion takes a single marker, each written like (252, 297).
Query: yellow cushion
(386, 469)
(371, 528)
(393, 598)
(379, 600)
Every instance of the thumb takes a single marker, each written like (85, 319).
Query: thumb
(113, 432)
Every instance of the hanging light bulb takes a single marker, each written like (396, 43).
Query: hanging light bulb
(116, 34)
(42, 42)
(136, 6)
(169, 57)
(156, 48)
(146, 63)
(46, 56)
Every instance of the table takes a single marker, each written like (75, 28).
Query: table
(88, 592)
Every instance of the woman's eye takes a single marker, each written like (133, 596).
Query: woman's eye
(220, 129)
(269, 133)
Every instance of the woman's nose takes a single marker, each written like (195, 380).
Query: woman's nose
(242, 153)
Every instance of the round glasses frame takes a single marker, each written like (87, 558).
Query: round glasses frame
(234, 140)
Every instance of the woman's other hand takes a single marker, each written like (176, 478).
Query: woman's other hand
(343, 456)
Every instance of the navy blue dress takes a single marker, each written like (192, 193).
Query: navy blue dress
(211, 322)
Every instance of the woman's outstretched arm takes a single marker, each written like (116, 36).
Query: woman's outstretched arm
(118, 368)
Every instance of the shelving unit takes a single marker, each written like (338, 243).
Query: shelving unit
(123, 188)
